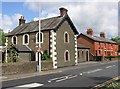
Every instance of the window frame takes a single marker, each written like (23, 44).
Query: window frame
(13, 40)
(24, 39)
(65, 37)
(37, 41)
(65, 56)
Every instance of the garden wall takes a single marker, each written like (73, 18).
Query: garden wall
(24, 67)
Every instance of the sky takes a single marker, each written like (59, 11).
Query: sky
(98, 15)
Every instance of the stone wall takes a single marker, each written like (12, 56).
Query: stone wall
(62, 47)
(24, 67)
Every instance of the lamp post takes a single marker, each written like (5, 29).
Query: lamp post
(39, 47)
(6, 44)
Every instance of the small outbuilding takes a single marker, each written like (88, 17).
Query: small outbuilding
(82, 53)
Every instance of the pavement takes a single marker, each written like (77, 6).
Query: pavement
(27, 75)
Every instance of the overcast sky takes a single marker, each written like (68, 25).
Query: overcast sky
(100, 16)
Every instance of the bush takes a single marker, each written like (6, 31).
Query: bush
(113, 85)
(12, 54)
(45, 56)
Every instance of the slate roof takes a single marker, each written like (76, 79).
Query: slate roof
(97, 38)
(82, 46)
(46, 24)
(22, 48)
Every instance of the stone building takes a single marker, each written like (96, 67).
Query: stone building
(58, 39)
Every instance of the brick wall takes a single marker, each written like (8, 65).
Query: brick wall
(99, 47)
(109, 50)
(87, 42)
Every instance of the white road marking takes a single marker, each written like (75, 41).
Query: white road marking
(62, 78)
(84, 72)
(110, 66)
(81, 74)
(66, 78)
(31, 85)
(73, 76)
(58, 78)
(92, 71)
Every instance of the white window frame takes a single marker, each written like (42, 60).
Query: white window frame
(24, 39)
(64, 37)
(13, 41)
(37, 41)
(65, 56)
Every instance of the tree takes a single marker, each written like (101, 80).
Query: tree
(2, 37)
(117, 39)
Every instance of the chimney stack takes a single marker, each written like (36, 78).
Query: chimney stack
(63, 11)
(90, 31)
(102, 34)
(21, 20)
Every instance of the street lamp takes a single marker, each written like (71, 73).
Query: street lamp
(6, 56)
(39, 47)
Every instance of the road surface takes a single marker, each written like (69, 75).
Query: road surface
(84, 78)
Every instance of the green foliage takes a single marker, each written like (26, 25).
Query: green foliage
(113, 85)
(12, 54)
(45, 56)
(110, 57)
(116, 39)
(2, 37)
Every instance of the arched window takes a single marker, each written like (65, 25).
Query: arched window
(37, 37)
(25, 39)
(14, 40)
(66, 56)
(66, 37)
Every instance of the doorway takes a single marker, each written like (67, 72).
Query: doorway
(87, 56)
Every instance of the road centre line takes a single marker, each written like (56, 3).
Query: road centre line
(92, 71)
(110, 66)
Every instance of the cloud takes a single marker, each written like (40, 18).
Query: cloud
(9, 22)
(101, 16)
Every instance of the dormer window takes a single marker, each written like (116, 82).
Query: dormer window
(37, 37)
(14, 40)
(25, 39)
(66, 37)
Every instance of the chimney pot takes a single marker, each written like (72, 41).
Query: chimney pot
(102, 34)
(63, 11)
(21, 20)
(90, 31)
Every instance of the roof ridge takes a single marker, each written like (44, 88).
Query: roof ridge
(97, 38)
(42, 19)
